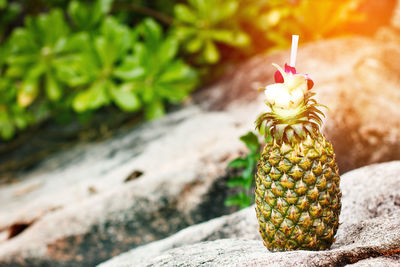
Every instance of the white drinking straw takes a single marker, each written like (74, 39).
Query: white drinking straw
(293, 54)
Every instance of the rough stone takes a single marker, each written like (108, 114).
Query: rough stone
(386, 261)
(369, 228)
(85, 212)
(241, 224)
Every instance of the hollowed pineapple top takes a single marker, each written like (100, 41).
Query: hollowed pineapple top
(293, 113)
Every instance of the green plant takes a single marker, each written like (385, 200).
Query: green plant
(35, 53)
(200, 25)
(153, 72)
(246, 165)
(12, 116)
(92, 71)
(29, 84)
(9, 11)
(88, 15)
(103, 61)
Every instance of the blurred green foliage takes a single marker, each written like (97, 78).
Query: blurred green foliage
(68, 56)
(246, 166)
(201, 24)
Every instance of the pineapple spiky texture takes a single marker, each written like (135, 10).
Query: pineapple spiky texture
(297, 181)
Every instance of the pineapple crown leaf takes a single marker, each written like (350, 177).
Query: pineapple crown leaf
(306, 120)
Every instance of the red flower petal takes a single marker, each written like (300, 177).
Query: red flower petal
(310, 83)
(278, 77)
(289, 69)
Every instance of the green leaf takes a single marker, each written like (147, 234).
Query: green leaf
(53, 89)
(237, 163)
(174, 93)
(177, 80)
(236, 182)
(154, 110)
(125, 97)
(113, 43)
(49, 35)
(241, 200)
(226, 9)
(87, 16)
(211, 54)
(247, 173)
(179, 71)
(194, 45)
(22, 41)
(79, 42)
(7, 130)
(230, 37)
(233, 201)
(104, 6)
(167, 50)
(3, 4)
(128, 74)
(92, 98)
(151, 31)
(251, 141)
(77, 70)
(28, 93)
(22, 59)
(21, 121)
(202, 23)
(184, 13)
(201, 5)
(184, 32)
(241, 39)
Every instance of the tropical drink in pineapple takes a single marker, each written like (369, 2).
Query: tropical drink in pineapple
(297, 181)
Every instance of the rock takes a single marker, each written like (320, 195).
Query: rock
(370, 192)
(241, 224)
(369, 228)
(357, 79)
(392, 261)
(239, 252)
(83, 212)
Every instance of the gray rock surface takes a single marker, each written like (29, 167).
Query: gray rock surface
(242, 224)
(366, 231)
(386, 261)
(76, 225)
(238, 252)
(76, 208)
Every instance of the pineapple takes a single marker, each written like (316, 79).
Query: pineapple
(297, 181)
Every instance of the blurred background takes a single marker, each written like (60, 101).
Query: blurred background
(95, 94)
(88, 67)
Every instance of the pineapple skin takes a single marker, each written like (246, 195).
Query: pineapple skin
(297, 195)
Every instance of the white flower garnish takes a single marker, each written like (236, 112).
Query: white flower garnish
(290, 93)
